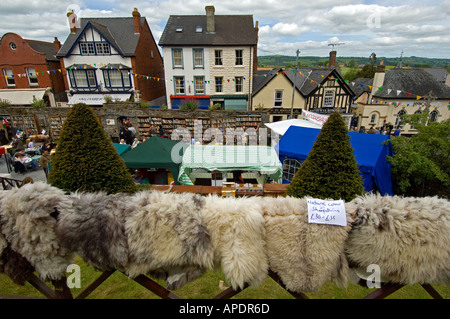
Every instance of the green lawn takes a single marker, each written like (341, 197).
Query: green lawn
(119, 286)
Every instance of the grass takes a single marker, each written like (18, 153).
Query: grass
(119, 286)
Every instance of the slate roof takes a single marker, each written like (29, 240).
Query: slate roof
(119, 32)
(361, 85)
(45, 47)
(413, 81)
(302, 82)
(229, 30)
(439, 73)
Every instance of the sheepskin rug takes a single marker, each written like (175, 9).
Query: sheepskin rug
(28, 219)
(236, 227)
(95, 229)
(167, 237)
(304, 255)
(407, 237)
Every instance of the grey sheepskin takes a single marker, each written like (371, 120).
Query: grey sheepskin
(407, 237)
(167, 237)
(304, 255)
(236, 226)
(28, 218)
(95, 229)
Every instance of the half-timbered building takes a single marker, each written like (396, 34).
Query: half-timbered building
(286, 92)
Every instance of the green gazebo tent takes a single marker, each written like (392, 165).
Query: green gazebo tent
(156, 152)
(228, 158)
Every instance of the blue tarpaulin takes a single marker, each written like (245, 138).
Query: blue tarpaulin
(370, 154)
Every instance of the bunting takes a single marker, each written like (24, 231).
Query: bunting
(389, 91)
(303, 73)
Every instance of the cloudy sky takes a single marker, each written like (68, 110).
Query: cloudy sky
(418, 28)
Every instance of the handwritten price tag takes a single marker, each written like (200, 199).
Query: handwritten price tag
(327, 212)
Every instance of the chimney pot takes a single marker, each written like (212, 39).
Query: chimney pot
(381, 68)
(210, 21)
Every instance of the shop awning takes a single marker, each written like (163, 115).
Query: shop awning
(96, 99)
(22, 96)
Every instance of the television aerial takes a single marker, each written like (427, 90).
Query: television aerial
(335, 44)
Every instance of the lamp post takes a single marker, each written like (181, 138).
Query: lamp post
(293, 86)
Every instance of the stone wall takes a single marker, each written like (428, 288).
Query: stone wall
(110, 114)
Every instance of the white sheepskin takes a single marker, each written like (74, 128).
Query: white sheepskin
(3, 242)
(304, 255)
(407, 237)
(29, 227)
(236, 226)
(167, 236)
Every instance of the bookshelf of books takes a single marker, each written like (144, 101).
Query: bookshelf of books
(168, 124)
(25, 123)
(56, 123)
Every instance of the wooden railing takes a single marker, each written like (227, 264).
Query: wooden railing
(61, 291)
(9, 183)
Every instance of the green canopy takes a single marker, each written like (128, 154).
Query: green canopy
(122, 148)
(156, 152)
(225, 158)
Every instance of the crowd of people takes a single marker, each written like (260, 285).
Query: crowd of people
(27, 150)
(127, 134)
(386, 129)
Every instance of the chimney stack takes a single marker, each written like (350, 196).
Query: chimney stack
(255, 49)
(210, 21)
(378, 79)
(137, 21)
(73, 21)
(332, 60)
(57, 45)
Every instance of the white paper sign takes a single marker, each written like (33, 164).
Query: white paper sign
(327, 212)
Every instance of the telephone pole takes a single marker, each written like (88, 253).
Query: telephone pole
(293, 86)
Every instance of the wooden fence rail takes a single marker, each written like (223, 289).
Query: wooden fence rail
(61, 291)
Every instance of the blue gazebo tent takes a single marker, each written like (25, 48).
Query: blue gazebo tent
(370, 154)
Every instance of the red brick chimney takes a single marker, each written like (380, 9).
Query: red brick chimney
(137, 21)
(332, 61)
(57, 45)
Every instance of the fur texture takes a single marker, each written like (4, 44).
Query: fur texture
(408, 238)
(167, 237)
(28, 219)
(238, 236)
(96, 229)
(303, 254)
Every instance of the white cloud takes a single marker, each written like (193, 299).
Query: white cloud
(285, 25)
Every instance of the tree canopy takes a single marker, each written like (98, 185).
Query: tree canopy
(331, 170)
(420, 165)
(85, 158)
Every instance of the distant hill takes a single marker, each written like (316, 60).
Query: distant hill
(314, 61)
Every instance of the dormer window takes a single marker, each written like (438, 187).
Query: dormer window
(95, 48)
(199, 29)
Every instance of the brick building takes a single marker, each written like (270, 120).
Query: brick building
(30, 71)
(111, 57)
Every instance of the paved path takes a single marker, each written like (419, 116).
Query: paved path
(37, 175)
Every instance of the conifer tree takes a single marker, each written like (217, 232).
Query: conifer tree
(330, 171)
(85, 158)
